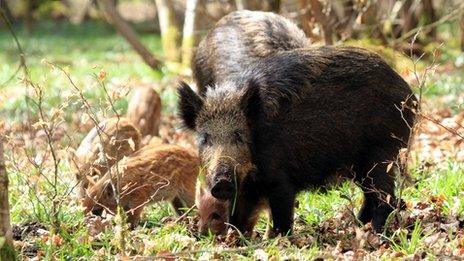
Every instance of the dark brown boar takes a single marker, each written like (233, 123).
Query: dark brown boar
(153, 173)
(291, 120)
(239, 39)
(98, 152)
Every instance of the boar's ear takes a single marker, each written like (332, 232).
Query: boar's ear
(189, 105)
(251, 100)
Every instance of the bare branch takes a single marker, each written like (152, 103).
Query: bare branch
(170, 34)
(427, 28)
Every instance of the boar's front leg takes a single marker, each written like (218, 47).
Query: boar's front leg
(245, 213)
(281, 196)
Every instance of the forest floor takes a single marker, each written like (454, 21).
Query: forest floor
(49, 222)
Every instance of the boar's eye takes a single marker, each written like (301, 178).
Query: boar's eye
(204, 139)
(215, 216)
(238, 136)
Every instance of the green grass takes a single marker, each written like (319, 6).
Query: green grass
(445, 91)
(84, 51)
(446, 182)
(409, 244)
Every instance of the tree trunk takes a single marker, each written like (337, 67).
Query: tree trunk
(430, 17)
(371, 18)
(188, 40)
(169, 32)
(321, 18)
(28, 16)
(346, 25)
(273, 6)
(241, 5)
(6, 241)
(79, 9)
(407, 13)
(131, 37)
(306, 19)
(461, 23)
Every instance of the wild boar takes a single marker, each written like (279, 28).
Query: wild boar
(144, 112)
(152, 174)
(292, 119)
(212, 212)
(103, 146)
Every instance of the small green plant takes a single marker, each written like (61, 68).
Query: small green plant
(409, 242)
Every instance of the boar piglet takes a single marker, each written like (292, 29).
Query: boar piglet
(103, 146)
(152, 174)
(213, 213)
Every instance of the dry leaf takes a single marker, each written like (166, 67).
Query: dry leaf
(389, 166)
(101, 75)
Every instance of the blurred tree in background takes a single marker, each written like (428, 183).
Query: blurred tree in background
(180, 22)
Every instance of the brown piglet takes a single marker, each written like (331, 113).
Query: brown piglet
(152, 174)
(213, 213)
(103, 146)
(144, 112)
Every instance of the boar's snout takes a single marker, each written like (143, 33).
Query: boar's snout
(223, 186)
(223, 190)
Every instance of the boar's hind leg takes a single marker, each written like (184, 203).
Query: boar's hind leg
(367, 210)
(379, 188)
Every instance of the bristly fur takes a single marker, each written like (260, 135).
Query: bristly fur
(240, 39)
(120, 139)
(320, 110)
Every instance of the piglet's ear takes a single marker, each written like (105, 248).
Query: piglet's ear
(108, 191)
(251, 100)
(189, 105)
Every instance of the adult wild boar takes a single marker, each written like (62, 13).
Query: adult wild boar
(292, 120)
(239, 39)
